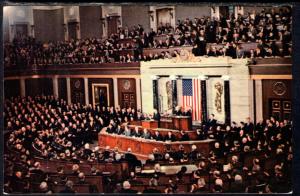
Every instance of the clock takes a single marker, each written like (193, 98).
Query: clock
(126, 84)
(279, 88)
(77, 84)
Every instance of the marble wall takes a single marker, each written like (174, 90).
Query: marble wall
(163, 95)
(214, 68)
(211, 98)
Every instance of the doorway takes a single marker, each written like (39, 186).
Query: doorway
(72, 30)
(224, 11)
(281, 109)
(128, 100)
(21, 31)
(100, 95)
(112, 25)
(163, 17)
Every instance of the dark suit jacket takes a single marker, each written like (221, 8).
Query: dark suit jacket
(178, 113)
(156, 116)
(172, 138)
(211, 123)
(158, 137)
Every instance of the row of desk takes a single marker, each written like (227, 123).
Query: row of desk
(143, 147)
(164, 131)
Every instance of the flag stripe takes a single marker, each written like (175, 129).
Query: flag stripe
(191, 97)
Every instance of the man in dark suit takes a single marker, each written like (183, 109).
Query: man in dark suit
(131, 159)
(157, 136)
(177, 111)
(248, 127)
(119, 130)
(136, 132)
(156, 115)
(68, 187)
(102, 98)
(188, 112)
(212, 122)
(127, 188)
(152, 187)
(184, 136)
(237, 186)
(170, 137)
(37, 173)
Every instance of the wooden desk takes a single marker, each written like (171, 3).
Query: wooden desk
(51, 166)
(142, 147)
(182, 122)
(149, 124)
(164, 131)
(166, 122)
(95, 180)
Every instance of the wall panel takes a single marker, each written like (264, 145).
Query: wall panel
(108, 81)
(62, 88)
(39, 86)
(49, 24)
(191, 11)
(126, 87)
(90, 23)
(11, 88)
(275, 89)
(136, 14)
(77, 90)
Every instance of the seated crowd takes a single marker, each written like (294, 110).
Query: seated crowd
(51, 130)
(267, 29)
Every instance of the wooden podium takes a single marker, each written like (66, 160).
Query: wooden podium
(150, 124)
(182, 123)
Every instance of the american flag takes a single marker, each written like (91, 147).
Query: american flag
(191, 97)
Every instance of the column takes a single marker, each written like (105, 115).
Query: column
(258, 100)
(227, 99)
(55, 86)
(155, 92)
(68, 91)
(78, 31)
(116, 95)
(251, 91)
(32, 30)
(66, 32)
(203, 98)
(138, 93)
(179, 92)
(86, 90)
(22, 87)
(173, 79)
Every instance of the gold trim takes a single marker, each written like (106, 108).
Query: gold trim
(261, 77)
(100, 85)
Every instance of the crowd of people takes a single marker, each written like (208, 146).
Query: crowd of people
(46, 127)
(270, 29)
